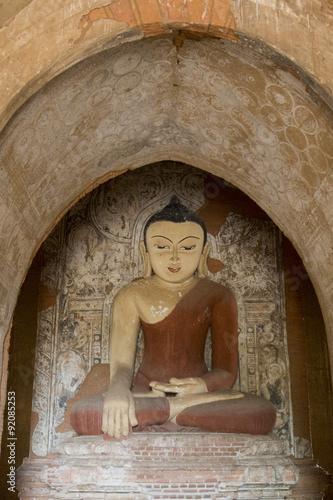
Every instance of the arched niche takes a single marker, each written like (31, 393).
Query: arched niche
(93, 252)
(222, 107)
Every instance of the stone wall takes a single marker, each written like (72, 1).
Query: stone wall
(172, 466)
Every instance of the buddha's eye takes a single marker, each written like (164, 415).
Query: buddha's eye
(162, 247)
(188, 248)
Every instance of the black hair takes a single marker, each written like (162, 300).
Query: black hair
(175, 212)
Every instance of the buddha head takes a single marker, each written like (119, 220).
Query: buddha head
(175, 244)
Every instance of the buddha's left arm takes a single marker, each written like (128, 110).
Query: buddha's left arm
(224, 326)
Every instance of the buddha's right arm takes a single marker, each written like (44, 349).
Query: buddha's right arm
(119, 411)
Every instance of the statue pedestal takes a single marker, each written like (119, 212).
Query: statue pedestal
(162, 466)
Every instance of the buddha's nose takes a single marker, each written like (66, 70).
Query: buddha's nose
(175, 256)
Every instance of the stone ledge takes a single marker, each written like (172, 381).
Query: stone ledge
(176, 445)
(162, 466)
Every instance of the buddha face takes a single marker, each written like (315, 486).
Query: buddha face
(174, 249)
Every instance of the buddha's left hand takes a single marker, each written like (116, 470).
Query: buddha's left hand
(181, 386)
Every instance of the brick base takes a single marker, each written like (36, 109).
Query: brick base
(162, 466)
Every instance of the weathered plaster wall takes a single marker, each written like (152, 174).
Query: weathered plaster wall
(8, 10)
(44, 38)
(299, 29)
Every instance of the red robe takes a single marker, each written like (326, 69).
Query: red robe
(174, 347)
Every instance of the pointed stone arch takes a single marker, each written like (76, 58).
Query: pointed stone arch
(218, 106)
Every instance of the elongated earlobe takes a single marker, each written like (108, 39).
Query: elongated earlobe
(146, 260)
(202, 267)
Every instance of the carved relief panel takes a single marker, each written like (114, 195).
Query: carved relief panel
(94, 252)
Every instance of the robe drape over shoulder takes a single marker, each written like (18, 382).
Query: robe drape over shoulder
(175, 346)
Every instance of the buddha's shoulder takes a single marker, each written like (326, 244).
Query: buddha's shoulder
(215, 288)
(132, 289)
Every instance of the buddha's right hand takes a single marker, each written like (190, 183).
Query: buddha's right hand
(118, 413)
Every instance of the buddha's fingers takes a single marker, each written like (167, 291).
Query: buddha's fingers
(181, 386)
(117, 425)
(187, 380)
(160, 387)
(105, 420)
(133, 421)
(125, 429)
(111, 424)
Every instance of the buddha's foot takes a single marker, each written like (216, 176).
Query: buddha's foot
(180, 403)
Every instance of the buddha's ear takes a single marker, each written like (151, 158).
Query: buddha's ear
(146, 260)
(202, 267)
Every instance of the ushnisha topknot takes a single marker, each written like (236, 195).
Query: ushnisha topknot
(176, 212)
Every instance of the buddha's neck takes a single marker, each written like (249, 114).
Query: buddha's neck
(171, 286)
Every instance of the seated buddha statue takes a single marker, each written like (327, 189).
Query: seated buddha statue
(176, 305)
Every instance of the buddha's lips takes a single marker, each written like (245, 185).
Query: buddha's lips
(174, 270)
